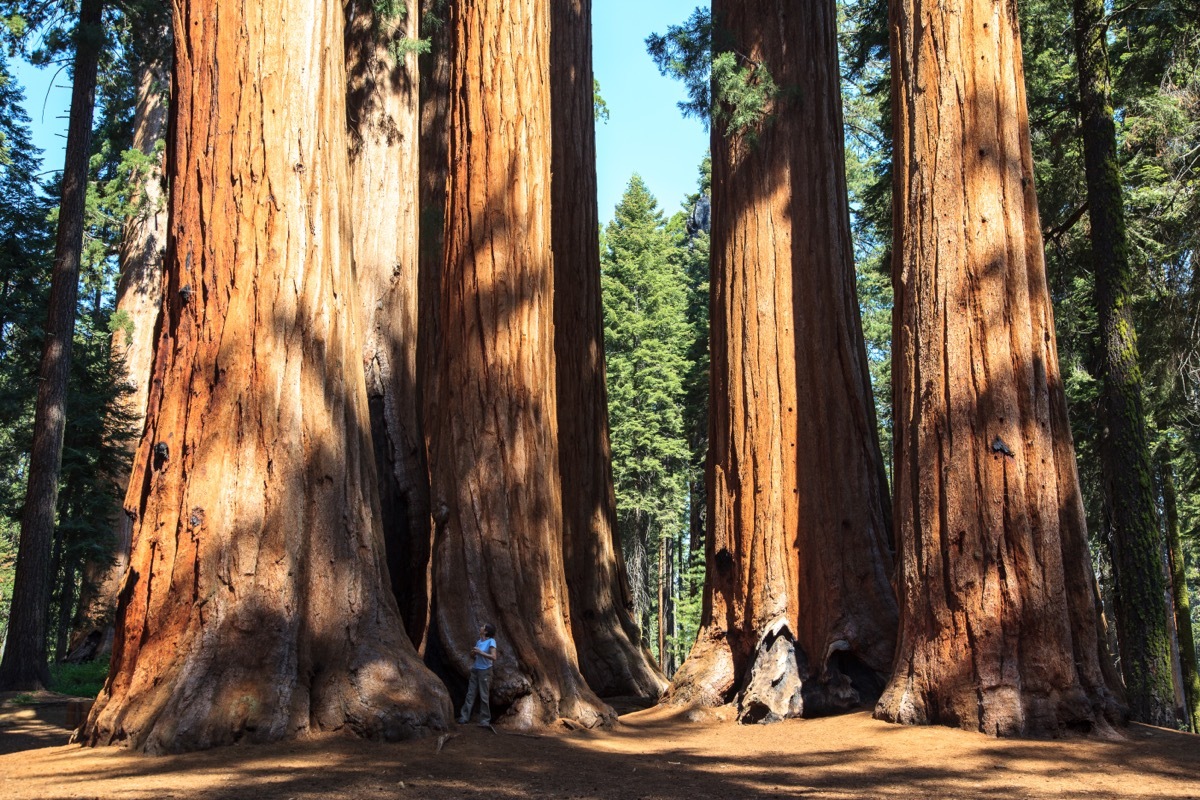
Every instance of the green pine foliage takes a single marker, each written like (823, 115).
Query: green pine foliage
(690, 559)
(1155, 50)
(26, 247)
(389, 16)
(1154, 55)
(866, 84)
(723, 84)
(646, 336)
(98, 430)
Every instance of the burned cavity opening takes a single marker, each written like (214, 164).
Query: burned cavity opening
(866, 681)
(847, 684)
(724, 560)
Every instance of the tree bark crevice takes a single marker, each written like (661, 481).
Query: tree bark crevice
(255, 607)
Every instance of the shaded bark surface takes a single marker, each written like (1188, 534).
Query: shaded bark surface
(1143, 629)
(1179, 592)
(498, 553)
(999, 628)
(607, 638)
(139, 299)
(382, 114)
(255, 607)
(24, 663)
(799, 617)
(434, 123)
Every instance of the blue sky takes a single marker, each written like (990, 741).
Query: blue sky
(47, 100)
(645, 132)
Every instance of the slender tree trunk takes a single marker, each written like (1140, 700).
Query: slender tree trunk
(434, 158)
(998, 616)
(256, 604)
(24, 661)
(139, 300)
(663, 575)
(55, 587)
(494, 461)
(799, 617)
(607, 638)
(1142, 626)
(1183, 609)
(66, 607)
(382, 110)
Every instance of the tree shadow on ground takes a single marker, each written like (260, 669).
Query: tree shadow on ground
(654, 756)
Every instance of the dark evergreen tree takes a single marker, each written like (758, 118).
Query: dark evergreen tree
(26, 240)
(1135, 540)
(24, 662)
(646, 339)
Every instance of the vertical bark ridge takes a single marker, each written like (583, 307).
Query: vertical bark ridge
(998, 617)
(494, 442)
(798, 614)
(611, 655)
(382, 113)
(255, 606)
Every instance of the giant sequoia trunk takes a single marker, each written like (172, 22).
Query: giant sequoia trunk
(255, 606)
(139, 297)
(998, 614)
(799, 617)
(24, 662)
(498, 554)
(611, 656)
(382, 111)
(1142, 625)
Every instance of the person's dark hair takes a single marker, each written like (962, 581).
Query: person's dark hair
(489, 629)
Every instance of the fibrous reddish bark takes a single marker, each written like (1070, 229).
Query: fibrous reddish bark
(382, 110)
(611, 655)
(498, 554)
(139, 297)
(799, 617)
(24, 662)
(255, 606)
(998, 613)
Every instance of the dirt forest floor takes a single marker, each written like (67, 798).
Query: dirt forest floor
(651, 755)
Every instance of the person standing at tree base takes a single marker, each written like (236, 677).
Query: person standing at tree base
(480, 682)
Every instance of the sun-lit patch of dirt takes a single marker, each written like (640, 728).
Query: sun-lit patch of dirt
(651, 755)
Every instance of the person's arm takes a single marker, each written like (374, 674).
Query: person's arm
(491, 653)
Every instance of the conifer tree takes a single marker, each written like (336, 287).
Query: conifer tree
(25, 243)
(608, 640)
(1135, 539)
(24, 662)
(646, 336)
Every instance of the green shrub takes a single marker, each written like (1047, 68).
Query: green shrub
(79, 680)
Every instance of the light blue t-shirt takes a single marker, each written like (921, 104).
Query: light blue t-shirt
(486, 645)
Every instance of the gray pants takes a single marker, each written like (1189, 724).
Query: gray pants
(479, 684)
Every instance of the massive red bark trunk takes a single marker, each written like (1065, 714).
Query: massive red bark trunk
(799, 617)
(611, 655)
(494, 455)
(139, 298)
(24, 662)
(382, 110)
(255, 606)
(998, 615)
